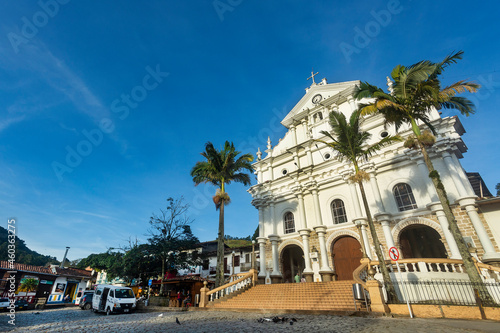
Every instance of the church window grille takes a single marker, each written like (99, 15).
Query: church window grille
(338, 211)
(404, 197)
(289, 223)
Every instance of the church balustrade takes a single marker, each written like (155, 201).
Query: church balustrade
(425, 268)
(245, 280)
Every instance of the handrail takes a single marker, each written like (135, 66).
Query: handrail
(365, 262)
(416, 260)
(246, 276)
(488, 267)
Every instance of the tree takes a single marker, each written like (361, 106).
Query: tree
(351, 144)
(111, 262)
(171, 236)
(497, 187)
(414, 92)
(221, 168)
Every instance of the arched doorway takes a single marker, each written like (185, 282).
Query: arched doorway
(346, 257)
(292, 262)
(421, 241)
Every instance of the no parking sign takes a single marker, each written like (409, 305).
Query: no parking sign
(394, 254)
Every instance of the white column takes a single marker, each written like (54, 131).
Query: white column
(365, 239)
(387, 234)
(453, 171)
(307, 257)
(321, 231)
(305, 128)
(488, 247)
(262, 255)
(352, 103)
(261, 221)
(461, 174)
(317, 207)
(274, 243)
(309, 156)
(302, 211)
(427, 181)
(270, 166)
(376, 192)
(452, 244)
(355, 200)
(259, 174)
(294, 135)
(272, 217)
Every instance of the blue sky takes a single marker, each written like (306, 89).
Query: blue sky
(105, 106)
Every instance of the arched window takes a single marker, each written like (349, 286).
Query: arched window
(289, 223)
(404, 197)
(338, 211)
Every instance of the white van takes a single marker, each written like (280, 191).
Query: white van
(113, 299)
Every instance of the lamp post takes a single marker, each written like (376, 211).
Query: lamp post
(253, 254)
(358, 225)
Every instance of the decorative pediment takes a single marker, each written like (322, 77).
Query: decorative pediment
(319, 96)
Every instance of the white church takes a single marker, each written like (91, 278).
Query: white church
(311, 219)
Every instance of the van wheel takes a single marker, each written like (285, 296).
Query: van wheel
(108, 312)
(87, 306)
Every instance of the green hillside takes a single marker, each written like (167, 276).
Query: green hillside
(23, 254)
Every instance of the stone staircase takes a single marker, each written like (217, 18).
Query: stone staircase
(316, 296)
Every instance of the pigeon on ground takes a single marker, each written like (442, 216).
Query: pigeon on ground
(177, 320)
(36, 313)
(160, 315)
(293, 319)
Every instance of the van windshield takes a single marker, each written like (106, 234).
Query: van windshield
(124, 293)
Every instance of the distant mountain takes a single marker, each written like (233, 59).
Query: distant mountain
(23, 254)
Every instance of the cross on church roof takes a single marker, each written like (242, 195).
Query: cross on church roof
(312, 76)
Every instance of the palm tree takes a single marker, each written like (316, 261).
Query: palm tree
(221, 168)
(414, 92)
(28, 285)
(350, 143)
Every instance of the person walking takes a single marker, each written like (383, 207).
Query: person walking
(297, 278)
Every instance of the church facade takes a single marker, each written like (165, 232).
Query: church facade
(312, 220)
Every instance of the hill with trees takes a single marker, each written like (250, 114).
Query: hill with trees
(24, 255)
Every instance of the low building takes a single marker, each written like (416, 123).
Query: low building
(70, 282)
(13, 275)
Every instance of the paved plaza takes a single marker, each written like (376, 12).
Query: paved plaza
(76, 320)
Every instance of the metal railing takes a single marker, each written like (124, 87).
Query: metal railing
(446, 292)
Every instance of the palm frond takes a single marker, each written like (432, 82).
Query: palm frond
(458, 88)
(462, 104)
(447, 61)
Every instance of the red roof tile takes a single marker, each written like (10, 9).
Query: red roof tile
(25, 268)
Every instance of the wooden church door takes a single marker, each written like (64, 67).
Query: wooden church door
(346, 257)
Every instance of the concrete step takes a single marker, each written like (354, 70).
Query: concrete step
(328, 296)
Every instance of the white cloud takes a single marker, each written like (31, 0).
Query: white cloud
(5, 123)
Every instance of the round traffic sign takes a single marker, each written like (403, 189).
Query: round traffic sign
(394, 254)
